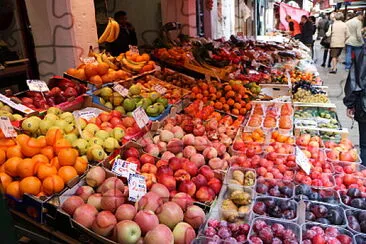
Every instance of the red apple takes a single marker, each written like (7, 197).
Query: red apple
(131, 152)
(181, 175)
(188, 187)
(199, 181)
(115, 113)
(104, 116)
(147, 158)
(115, 121)
(215, 184)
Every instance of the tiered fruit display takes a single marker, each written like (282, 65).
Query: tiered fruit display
(305, 92)
(102, 206)
(232, 97)
(153, 102)
(38, 166)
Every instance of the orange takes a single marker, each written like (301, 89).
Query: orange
(67, 156)
(237, 105)
(25, 168)
(45, 170)
(54, 162)
(53, 184)
(61, 144)
(243, 111)
(145, 57)
(5, 143)
(14, 151)
(80, 165)
(22, 139)
(227, 88)
(67, 173)
(219, 94)
(13, 189)
(2, 168)
(218, 105)
(31, 185)
(226, 107)
(230, 94)
(222, 100)
(230, 102)
(40, 159)
(5, 180)
(53, 135)
(235, 111)
(2, 156)
(11, 166)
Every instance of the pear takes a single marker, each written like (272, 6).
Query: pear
(96, 153)
(17, 117)
(67, 116)
(71, 137)
(54, 110)
(81, 145)
(95, 140)
(108, 105)
(116, 99)
(31, 124)
(45, 125)
(69, 128)
(102, 134)
(51, 117)
(7, 108)
(106, 92)
(118, 133)
(110, 144)
(61, 124)
(92, 128)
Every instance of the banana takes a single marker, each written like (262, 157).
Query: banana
(117, 29)
(133, 62)
(98, 57)
(106, 60)
(131, 66)
(106, 32)
(112, 34)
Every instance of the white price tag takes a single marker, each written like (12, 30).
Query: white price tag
(121, 90)
(140, 117)
(7, 127)
(136, 187)
(124, 168)
(87, 115)
(37, 85)
(302, 160)
(17, 106)
(134, 49)
(89, 60)
(160, 89)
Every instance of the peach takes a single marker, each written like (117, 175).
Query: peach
(150, 201)
(188, 187)
(183, 200)
(168, 181)
(170, 214)
(200, 143)
(188, 151)
(85, 215)
(210, 153)
(84, 192)
(125, 212)
(104, 223)
(194, 216)
(167, 156)
(199, 181)
(183, 233)
(95, 200)
(188, 139)
(111, 183)
(160, 234)
(175, 146)
(127, 232)
(71, 204)
(112, 199)
(149, 168)
(95, 176)
(198, 159)
(161, 190)
(152, 149)
(147, 220)
(205, 194)
(215, 184)
(216, 163)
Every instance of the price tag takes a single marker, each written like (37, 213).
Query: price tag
(87, 115)
(134, 49)
(302, 160)
(89, 60)
(17, 106)
(37, 85)
(7, 127)
(121, 90)
(124, 168)
(136, 187)
(160, 89)
(141, 117)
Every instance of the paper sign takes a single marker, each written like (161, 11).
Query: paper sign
(302, 160)
(140, 117)
(121, 90)
(124, 168)
(37, 85)
(17, 106)
(7, 127)
(160, 89)
(89, 60)
(134, 49)
(136, 187)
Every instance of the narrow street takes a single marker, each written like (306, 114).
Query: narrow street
(335, 83)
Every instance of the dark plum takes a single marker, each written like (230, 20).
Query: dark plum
(241, 238)
(244, 228)
(323, 221)
(335, 217)
(319, 210)
(289, 214)
(314, 196)
(266, 234)
(234, 227)
(274, 192)
(353, 223)
(358, 203)
(363, 226)
(346, 199)
(362, 215)
(270, 203)
(303, 190)
(260, 208)
(262, 188)
(275, 212)
(331, 231)
(285, 205)
(354, 193)
(309, 216)
(286, 191)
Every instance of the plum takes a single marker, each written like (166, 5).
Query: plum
(354, 193)
(335, 217)
(278, 229)
(286, 205)
(276, 240)
(309, 216)
(266, 234)
(323, 221)
(258, 225)
(362, 215)
(224, 232)
(346, 199)
(260, 208)
(319, 210)
(262, 188)
(286, 191)
(289, 214)
(358, 203)
(275, 212)
(303, 190)
(314, 196)
(363, 226)
(270, 203)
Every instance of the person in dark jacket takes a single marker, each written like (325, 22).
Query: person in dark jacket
(355, 99)
(307, 31)
(126, 37)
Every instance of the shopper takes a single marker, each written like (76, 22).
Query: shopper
(355, 42)
(294, 27)
(355, 99)
(312, 19)
(307, 30)
(323, 25)
(325, 42)
(126, 37)
(338, 37)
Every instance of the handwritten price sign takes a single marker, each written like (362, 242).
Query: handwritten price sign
(37, 85)
(89, 60)
(136, 187)
(124, 168)
(302, 160)
(160, 89)
(7, 127)
(121, 90)
(140, 117)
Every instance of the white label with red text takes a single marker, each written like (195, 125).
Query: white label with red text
(160, 89)
(124, 168)
(140, 117)
(7, 127)
(121, 90)
(136, 187)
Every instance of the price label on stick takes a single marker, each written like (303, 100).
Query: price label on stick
(140, 117)
(124, 168)
(37, 85)
(160, 89)
(89, 60)
(136, 187)
(302, 160)
(7, 127)
(121, 90)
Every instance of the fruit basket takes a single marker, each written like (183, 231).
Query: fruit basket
(269, 230)
(315, 179)
(278, 208)
(355, 169)
(353, 199)
(348, 181)
(356, 220)
(235, 203)
(275, 188)
(319, 233)
(324, 213)
(306, 192)
(240, 176)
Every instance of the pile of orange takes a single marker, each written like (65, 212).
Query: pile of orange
(230, 97)
(277, 137)
(256, 135)
(38, 166)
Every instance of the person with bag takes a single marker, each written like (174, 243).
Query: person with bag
(355, 42)
(355, 98)
(325, 42)
(338, 36)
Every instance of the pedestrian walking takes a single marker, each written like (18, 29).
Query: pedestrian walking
(325, 41)
(307, 30)
(323, 25)
(355, 42)
(338, 36)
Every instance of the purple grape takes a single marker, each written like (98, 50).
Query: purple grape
(223, 223)
(224, 232)
(210, 232)
(214, 223)
(231, 240)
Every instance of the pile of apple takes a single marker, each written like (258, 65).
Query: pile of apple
(177, 175)
(61, 90)
(102, 206)
(342, 151)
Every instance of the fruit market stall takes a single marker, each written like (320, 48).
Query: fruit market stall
(120, 151)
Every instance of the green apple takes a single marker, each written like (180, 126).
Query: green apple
(102, 134)
(163, 101)
(69, 128)
(81, 145)
(92, 128)
(45, 125)
(17, 117)
(106, 92)
(82, 123)
(110, 144)
(71, 137)
(31, 124)
(51, 117)
(154, 96)
(129, 104)
(61, 124)
(95, 140)
(118, 133)
(120, 109)
(54, 110)
(108, 105)
(153, 110)
(67, 116)
(160, 106)
(134, 90)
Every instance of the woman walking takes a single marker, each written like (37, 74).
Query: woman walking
(325, 42)
(338, 35)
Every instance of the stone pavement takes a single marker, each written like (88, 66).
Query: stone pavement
(335, 83)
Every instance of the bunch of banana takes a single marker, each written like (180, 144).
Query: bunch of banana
(110, 33)
(131, 66)
(103, 57)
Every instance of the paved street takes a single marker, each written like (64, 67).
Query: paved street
(335, 83)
